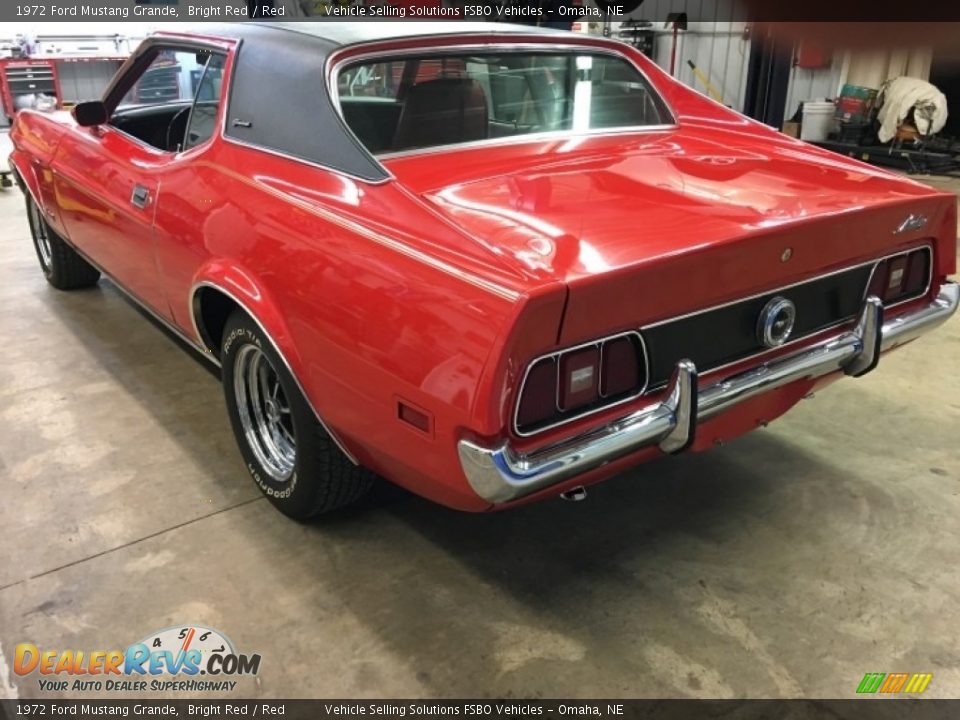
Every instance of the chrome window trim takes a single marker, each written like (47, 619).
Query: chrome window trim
(183, 42)
(529, 137)
(194, 307)
(335, 65)
(286, 156)
(563, 351)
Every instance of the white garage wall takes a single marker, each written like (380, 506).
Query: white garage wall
(871, 68)
(719, 51)
(867, 68)
(814, 83)
(713, 40)
(85, 80)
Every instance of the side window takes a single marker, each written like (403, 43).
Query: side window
(159, 104)
(203, 118)
(167, 79)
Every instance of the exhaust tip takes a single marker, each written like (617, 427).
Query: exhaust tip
(574, 494)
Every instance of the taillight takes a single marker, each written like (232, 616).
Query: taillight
(539, 400)
(571, 383)
(901, 277)
(918, 272)
(620, 372)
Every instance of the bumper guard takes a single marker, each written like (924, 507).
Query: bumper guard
(500, 474)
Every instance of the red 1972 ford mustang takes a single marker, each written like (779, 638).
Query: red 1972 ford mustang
(491, 264)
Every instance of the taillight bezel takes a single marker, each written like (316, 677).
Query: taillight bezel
(575, 416)
(885, 260)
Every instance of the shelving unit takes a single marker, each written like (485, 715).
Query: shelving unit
(159, 84)
(21, 77)
(68, 68)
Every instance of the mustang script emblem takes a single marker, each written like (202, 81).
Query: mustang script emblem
(776, 322)
(911, 222)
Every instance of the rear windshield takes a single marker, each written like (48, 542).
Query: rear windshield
(421, 102)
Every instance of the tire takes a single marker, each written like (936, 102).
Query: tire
(62, 266)
(288, 453)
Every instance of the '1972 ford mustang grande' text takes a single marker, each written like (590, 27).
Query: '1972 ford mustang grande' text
(490, 264)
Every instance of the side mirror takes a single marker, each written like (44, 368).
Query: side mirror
(90, 114)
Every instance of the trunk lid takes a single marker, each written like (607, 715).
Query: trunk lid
(651, 225)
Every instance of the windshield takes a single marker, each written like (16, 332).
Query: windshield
(421, 102)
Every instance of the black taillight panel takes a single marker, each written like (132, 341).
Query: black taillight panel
(571, 383)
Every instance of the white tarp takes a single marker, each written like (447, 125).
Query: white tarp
(899, 95)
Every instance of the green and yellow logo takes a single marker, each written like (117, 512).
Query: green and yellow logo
(892, 683)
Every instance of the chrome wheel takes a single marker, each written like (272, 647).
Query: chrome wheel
(264, 413)
(41, 236)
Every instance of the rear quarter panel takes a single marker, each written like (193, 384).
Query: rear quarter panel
(343, 276)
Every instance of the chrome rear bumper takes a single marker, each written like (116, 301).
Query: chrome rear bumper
(500, 474)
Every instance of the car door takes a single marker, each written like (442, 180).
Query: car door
(194, 188)
(108, 177)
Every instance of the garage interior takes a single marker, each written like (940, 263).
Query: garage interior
(786, 563)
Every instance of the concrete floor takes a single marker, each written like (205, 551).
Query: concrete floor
(788, 563)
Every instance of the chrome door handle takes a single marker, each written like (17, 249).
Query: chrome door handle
(140, 197)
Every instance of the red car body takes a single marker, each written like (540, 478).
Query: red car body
(436, 289)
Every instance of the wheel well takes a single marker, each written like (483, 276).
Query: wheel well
(211, 308)
(21, 183)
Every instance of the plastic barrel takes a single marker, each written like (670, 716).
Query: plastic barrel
(817, 120)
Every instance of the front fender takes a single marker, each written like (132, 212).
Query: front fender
(35, 139)
(25, 175)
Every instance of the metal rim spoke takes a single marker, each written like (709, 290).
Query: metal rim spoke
(264, 413)
(41, 236)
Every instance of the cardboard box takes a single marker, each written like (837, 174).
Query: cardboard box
(792, 129)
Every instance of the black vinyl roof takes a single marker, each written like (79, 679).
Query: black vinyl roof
(279, 100)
